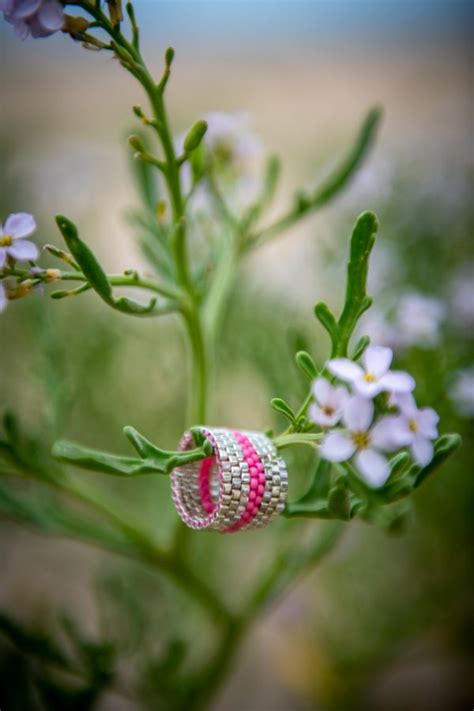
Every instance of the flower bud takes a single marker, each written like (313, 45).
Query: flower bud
(169, 56)
(52, 275)
(75, 26)
(195, 136)
(22, 289)
(136, 143)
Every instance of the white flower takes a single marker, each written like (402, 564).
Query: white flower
(3, 298)
(363, 442)
(329, 403)
(419, 318)
(12, 243)
(375, 377)
(415, 428)
(41, 18)
(462, 392)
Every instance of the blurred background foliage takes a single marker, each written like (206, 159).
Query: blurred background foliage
(386, 623)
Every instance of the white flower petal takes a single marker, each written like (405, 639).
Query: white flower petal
(427, 422)
(3, 256)
(322, 390)
(405, 403)
(6, 6)
(340, 397)
(358, 413)
(391, 433)
(422, 451)
(21, 29)
(51, 15)
(377, 359)
(3, 298)
(373, 467)
(321, 418)
(22, 249)
(25, 8)
(19, 225)
(345, 369)
(397, 381)
(368, 390)
(337, 447)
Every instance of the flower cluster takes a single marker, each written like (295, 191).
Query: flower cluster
(40, 18)
(13, 245)
(365, 436)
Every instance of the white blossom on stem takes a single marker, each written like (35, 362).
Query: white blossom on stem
(12, 238)
(375, 377)
(415, 428)
(327, 409)
(362, 440)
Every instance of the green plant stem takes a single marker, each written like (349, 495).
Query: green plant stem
(132, 279)
(132, 60)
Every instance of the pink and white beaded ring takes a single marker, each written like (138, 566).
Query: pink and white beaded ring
(242, 485)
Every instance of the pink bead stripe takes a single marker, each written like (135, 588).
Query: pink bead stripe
(204, 485)
(257, 482)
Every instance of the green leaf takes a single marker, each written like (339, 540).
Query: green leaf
(325, 317)
(279, 405)
(103, 462)
(153, 460)
(341, 176)
(170, 459)
(130, 306)
(95, 275)
(360, 347)
(85, 258)
(356, 300)
(143, 446)
(306, 364)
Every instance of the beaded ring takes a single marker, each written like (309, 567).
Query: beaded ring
(242, 485)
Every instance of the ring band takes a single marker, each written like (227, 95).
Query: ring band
(242, 485)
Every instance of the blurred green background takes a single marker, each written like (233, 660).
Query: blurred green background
(385, 623)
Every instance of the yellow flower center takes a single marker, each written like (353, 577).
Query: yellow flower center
(369, 378)
(6, 241)
(361, 439)
(413, 426)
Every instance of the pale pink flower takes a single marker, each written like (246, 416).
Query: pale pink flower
(329, 403)
(12, 238)
(375, 377)
(415, 428)
(362, 440)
